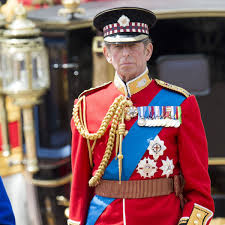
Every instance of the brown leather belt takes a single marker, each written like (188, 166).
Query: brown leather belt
(138, 188)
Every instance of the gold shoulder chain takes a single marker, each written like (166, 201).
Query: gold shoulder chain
(116, 114)
(173, 87)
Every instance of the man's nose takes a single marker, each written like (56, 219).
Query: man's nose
(126, 51)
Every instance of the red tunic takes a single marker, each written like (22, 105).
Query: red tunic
(186, 148)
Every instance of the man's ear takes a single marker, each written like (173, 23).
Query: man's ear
(107, 54)
(148, 51)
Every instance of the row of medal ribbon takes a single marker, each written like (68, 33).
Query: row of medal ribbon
(157, 116)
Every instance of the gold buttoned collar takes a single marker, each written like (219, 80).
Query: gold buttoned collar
(133, 86)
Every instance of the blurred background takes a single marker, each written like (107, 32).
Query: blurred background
(50, 53)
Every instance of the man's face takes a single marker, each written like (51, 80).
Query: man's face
(129, 60)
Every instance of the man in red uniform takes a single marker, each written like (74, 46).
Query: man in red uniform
(139, 151)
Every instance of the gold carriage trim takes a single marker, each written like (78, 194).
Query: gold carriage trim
(173, 87)
(13, 163)
(183, 220)
(200, 215)
(72, 222)
(94, 89)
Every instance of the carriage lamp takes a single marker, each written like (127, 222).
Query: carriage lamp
(24, 63)
(3, 115)
(70, 7)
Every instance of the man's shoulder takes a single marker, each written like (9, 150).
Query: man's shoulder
(172, 87)
(94, 90)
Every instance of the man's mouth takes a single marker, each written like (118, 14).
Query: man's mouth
(126, 63)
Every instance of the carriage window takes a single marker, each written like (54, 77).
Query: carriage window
(188, 71)
(192, 73)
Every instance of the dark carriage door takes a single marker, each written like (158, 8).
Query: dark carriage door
(193, 56)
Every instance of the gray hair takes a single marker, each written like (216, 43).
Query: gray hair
(147, 41)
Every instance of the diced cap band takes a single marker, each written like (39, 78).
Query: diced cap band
(133, 27)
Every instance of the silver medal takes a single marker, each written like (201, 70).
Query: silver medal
(141, 122)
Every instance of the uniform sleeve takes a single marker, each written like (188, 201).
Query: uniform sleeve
(6, 212)
(193, 156)
(80, 194)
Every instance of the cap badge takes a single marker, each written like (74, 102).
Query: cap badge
(123, 21)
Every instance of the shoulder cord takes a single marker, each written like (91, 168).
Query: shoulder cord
(116, 114)
(84, 124)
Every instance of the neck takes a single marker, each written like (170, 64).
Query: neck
(126, 78)
(134, 85)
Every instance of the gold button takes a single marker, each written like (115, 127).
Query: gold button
(198, 215)
(196, 222)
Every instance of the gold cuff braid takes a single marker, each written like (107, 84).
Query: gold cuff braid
(200, 215)
(183, 221)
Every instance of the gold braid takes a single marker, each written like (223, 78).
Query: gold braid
(115, 114)
(101, 131)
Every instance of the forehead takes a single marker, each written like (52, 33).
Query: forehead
(130, 44)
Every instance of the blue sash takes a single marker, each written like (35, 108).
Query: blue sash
(97, 206)
(134, 147)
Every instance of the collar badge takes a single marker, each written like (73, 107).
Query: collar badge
(141, 83)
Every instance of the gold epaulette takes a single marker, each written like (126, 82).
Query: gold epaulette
(173, 87)
(94, 89)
